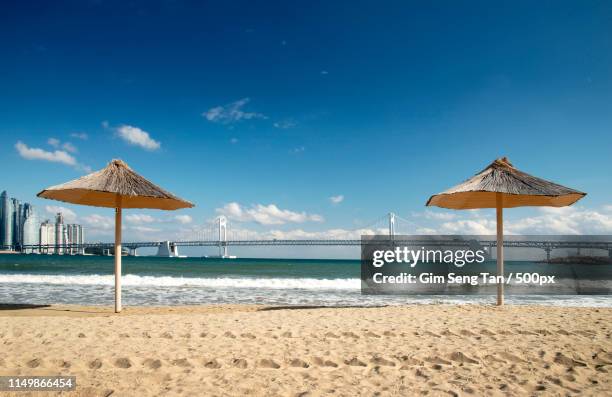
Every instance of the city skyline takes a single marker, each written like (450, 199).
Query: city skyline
(280, 119)
(22, 230)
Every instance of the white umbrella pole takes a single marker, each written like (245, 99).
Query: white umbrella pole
(117, 259)
(500, 248)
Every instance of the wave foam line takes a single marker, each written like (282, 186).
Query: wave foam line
(166, 281)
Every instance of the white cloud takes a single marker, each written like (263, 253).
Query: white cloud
(337, 199)
(565, 220)
(231, 113)
(548, 220)
(607, 207)
(324, 72)
(266, 214)
(441, 216)
(234, 140)
(480, 226)
(145, 229)
(69, 215)
(53, 142)
(69, 147)
(284, 124)
(137, 137)
(139, 218)
(57, 156)
(99, 222)
(299, 149)
(79, 135)
(183, 219)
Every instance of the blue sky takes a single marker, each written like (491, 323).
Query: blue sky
(264, 111)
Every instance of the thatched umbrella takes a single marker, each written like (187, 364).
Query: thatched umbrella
(115, 186)
(499, 186)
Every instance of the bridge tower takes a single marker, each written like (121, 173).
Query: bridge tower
(391, 225)
(222, 224)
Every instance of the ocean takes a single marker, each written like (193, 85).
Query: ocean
(88, 280)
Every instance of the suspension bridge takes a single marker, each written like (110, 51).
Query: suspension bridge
(221, 235)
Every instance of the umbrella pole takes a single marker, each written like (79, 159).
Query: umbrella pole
(500, 248)
(117, 259)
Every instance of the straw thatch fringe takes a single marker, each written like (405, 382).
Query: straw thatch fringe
(501, 176)
(116, 180)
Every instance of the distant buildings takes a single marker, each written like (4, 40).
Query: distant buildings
(21, 230)
(57, 238)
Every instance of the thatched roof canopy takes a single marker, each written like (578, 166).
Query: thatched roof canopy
(517, 188)
(116, 185)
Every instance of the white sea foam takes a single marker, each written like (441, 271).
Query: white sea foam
(166, 281)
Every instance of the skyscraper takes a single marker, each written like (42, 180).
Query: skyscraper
(59, 233)
(6, 222)
(16, 222)
(30, 234)
(47, 237)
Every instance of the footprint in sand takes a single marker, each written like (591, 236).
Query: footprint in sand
(181, 362)
(239, 363)
(267, 363)
(324, 363)
(35, 363)
(95, 364)
(166, 335)
(331, 335)
(248, 335)
(123, 362)
(297, 363)
(511, 357)
(371, 334)
(562, 359)
(405, 360)
(389, 333)
(152, 364)
(466, 332)
(437, 360)
(63, 364)
(286, 334)
(462, 358)
(228, 334)
(212, 364)
(420, 372)
(350, 335)
(382, 361)
(355, 362)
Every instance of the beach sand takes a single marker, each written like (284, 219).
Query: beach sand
(238, 350)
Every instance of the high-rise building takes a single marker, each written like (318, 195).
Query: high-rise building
(75, 236)
(47, 237)
(6, 222)
(60, 233)
(16, 222)
(30, 235)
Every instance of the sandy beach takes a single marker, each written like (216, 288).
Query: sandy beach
(255, 350)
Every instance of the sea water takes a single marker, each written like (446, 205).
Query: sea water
(89, 280)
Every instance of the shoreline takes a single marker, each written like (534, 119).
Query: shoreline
(76, 310)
